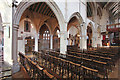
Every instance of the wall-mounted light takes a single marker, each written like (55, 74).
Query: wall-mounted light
(31, 25)
(32, 37)
(78, 35)
(57, 31)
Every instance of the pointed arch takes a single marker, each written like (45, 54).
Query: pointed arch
(25, 4)
(79, 18)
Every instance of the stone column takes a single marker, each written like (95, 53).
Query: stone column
(23, 45)
(83, 39)
(51, 41)
(36, 42)
(7, 44)
(15, 67)
(63, 42)
(94, 39)
(99, 41)
(94, 29)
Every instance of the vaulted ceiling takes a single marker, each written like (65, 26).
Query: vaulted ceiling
(112, 7)
(42, 8)
(102, 4)
(89, 9)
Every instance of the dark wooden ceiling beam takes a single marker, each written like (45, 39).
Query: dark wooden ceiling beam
(43, 8)
(112, 6)
(45, 11)
(37, 7)
(40, 7)
(49, 12)
(32, 7)
(53, 15)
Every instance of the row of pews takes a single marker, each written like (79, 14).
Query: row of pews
(65, 68)
(75, 65)
(36, 71)
(79, 64)
(102, 61)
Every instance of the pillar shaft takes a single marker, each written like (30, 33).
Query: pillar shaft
(83, 38)
(16, 66)
(94, 39)
(36, 43)
(63, 42)
(51, 41)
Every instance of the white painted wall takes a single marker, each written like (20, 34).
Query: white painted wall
(21, 43)
(72, 7)
(6, 10)
(6, 15)
(83, 10)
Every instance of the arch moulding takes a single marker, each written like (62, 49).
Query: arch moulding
(25, 4)
(79, 18)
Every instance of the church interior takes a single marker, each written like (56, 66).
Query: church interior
(56, 40)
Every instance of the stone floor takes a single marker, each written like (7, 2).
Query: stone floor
(115, 74)
(20, 75)
(5, 69)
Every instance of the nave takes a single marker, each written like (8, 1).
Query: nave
(75, 65)
(54, 39)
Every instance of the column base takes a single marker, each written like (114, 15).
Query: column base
(64, 56)
(15, 68)
(8, 61)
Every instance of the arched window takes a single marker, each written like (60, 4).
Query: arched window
(46, 35)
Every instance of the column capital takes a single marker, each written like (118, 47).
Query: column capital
(63, 32)
(15, 26)
(5, 24)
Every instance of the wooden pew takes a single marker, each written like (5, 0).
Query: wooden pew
(73, 63)
(32, 68)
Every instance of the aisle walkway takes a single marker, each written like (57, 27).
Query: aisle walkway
(116, 73)
(21, 75)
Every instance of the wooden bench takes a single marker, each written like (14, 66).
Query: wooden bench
(93, 70)
(46, 73)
